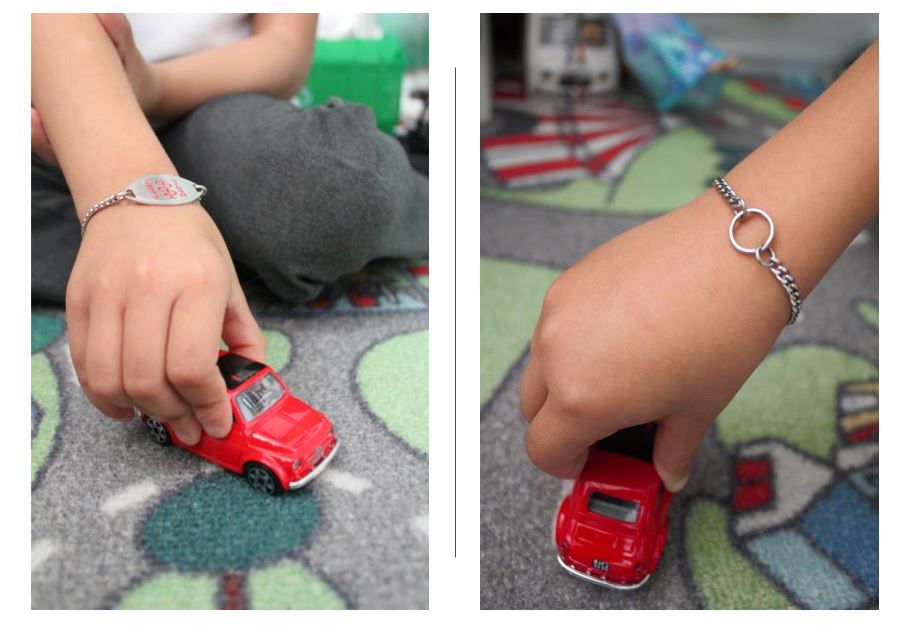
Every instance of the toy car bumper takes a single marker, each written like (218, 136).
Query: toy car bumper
(599, 580)
(318, 470)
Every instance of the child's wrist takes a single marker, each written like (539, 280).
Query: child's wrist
(737, 279)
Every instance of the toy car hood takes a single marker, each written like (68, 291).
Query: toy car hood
(291, 423)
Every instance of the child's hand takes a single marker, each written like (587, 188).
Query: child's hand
(141, 74)
(152, 292)
(664, 322)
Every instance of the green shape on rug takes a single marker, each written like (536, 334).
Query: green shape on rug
(511, 296)
(725, 578)
(667, 173)
(581, 194)
(279, 349)
(290, 586)
(792, 396)
(766, 104)
(45, 329)
(172, 591)
(46, 395)
(393, 380)
(220, 523)
(868, 310)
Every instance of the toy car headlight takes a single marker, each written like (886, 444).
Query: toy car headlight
(296, 464)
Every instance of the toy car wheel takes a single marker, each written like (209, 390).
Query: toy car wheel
(158, 432)
(262, 479)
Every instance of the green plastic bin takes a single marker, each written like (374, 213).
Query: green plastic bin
(367, 71)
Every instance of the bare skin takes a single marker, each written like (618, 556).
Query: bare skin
(152, 292)
(667, 321)
(169, 89)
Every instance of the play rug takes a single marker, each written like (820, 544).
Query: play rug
(781, 510)
(120, 522)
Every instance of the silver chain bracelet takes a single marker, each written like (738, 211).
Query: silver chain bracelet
(157, 189)
(772, 262)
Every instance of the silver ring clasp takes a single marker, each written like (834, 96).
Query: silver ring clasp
(739, 217)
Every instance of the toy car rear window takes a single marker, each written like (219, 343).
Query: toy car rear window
(613, 507)
(236, 369)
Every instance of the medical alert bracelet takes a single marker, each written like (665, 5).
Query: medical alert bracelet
(157, 189)
(773, 263)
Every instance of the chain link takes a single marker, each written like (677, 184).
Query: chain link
(153, 189)
(105, 203)
(772, 262)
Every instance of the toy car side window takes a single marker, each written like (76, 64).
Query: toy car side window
(613, 507)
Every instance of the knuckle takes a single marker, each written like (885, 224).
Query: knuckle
(555, 292)
(142, 388)
(75, 296)
(538, 453)
(188, 373)
(205, 272)
(103, 388)
(550, 333)
(105, 284)
(576, 398)
(144, 275)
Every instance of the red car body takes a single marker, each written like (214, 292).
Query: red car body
(277, 441)
(611, 528)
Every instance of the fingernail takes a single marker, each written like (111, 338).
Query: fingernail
(674, 486)
(216, 431)
(185, 441)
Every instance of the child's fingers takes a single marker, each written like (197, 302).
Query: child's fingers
(675, 446)
(77, 331)
(103, 380)
(240, 330)
(193, 346)
(186, 427)
(145, 326)
(533, 391)
(557, 442)
(118, 413)
(118, 28)
(39, 141)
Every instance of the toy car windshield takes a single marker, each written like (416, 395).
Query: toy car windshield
(259, 397)
(613, 507)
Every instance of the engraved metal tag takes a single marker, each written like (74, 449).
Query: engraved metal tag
(165, 189)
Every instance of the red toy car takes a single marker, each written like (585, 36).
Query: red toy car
(277, 441)
(611, 529)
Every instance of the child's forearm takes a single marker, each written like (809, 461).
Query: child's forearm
(274, 60)
(99, 133)
(817, 178)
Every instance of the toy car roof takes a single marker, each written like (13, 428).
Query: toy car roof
(612, 472)
(236, 369)
(635, 442)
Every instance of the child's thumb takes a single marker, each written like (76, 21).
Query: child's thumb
(240, 330)
(675, 446)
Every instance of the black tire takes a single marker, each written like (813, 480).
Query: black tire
(158, 433)
(262, 479)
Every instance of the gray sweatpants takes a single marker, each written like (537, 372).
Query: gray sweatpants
(301, 197)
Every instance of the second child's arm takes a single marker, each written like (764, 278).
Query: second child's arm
(275, 60)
